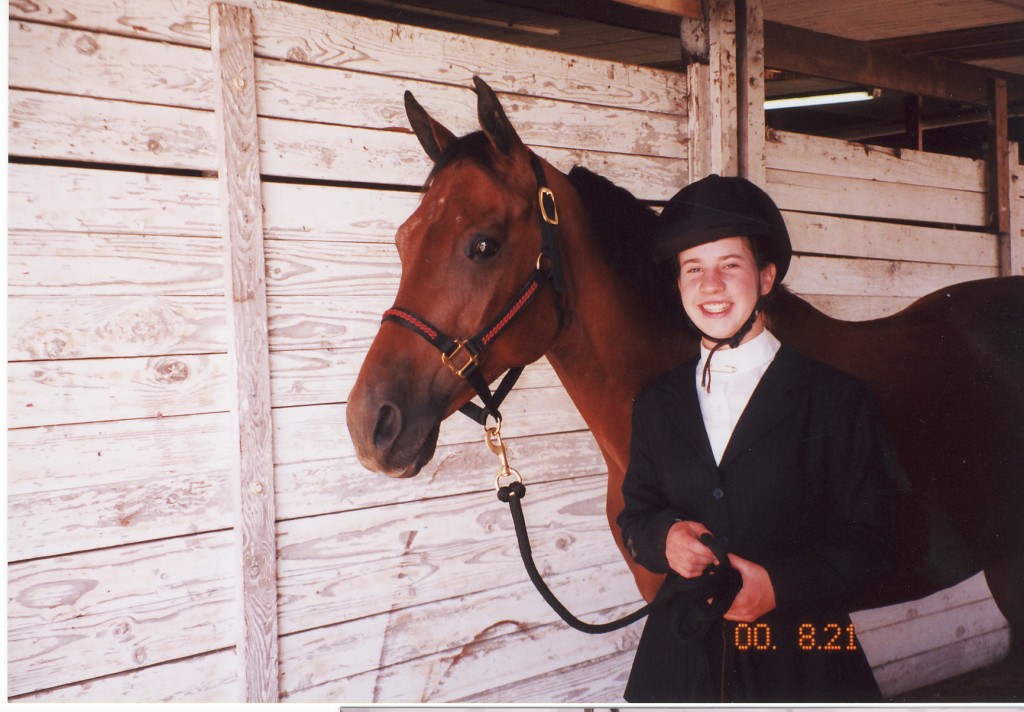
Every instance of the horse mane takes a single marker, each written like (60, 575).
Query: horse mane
(623, 230)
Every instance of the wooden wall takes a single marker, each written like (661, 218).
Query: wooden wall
(124, 569)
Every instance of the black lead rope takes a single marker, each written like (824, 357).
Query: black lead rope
(719, 583)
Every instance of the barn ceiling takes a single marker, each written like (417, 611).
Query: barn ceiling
(984, 33)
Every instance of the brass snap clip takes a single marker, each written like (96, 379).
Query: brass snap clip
(495, 445)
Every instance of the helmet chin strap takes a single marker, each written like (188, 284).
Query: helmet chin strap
(731, 341)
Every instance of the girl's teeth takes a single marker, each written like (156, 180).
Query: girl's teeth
(715, 308)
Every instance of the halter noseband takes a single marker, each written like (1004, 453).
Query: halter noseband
(462, 356)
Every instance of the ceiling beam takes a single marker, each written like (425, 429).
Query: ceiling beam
(970, 43)
(607, 12)
(821, 55)
(682, 8)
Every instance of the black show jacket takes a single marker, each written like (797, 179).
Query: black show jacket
(806, 489)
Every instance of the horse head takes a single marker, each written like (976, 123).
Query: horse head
(466, 253)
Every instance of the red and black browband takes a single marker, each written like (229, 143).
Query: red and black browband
(461, 356)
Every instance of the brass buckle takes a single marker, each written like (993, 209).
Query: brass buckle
(448, 359)
(549, 219)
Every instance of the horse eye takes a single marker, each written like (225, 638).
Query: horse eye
(483, 248)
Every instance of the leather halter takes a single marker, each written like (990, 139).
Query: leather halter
(462, 356)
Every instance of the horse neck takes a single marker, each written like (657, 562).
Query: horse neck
(611, 345)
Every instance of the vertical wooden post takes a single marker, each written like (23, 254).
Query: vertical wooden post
(245, 289)
(999, 171)
(724, 148)
(750, 89)
(1014, 261)
(693, 36)
(913, 119)
(725, 71)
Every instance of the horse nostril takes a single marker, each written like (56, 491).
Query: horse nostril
(389, 425)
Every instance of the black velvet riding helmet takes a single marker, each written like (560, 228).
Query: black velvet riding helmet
(716, 207)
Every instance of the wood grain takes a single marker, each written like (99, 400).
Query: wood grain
(245, 289)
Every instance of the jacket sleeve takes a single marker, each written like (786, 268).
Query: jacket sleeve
(646, 517)
(855, 549)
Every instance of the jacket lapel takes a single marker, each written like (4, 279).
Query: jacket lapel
(771, 402)
(687, 417)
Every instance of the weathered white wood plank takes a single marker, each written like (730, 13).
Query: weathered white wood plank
(847, 237)
(318, 432)
(314, 212)
(98, 455)
(858, 308)
(824, 275)
(470, 674)
(178, 21)
(65, 127)
(309, 377)
(202, 678)
(82, 200)
(116, 514)
(309, 322)
(307, 93)
(602, 680)
(302, 35)
(972, 591)
(937, 664)
(248, 349)
(57, 264)
(826, 156)
(313, 36)
(315, 669)
(931, 632)
(331, 268)
(318, 487)
(68, 61)
(61, 327)
(62, 127)
(839, 195)
(338, 567)
(78, 617)
(83, 391)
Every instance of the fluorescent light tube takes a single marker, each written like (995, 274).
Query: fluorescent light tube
(817, 100)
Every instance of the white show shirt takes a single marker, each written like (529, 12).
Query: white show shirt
(735, 374)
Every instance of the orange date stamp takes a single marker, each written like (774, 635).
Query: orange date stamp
(829, 637)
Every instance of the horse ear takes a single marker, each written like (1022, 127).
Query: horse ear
(434, 137)
(493, 121)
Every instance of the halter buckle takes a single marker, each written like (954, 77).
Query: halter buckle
(448, 359)
(546, 198)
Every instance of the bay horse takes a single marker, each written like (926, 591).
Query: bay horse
(948, 370)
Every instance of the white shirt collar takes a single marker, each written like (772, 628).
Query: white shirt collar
(756, 353)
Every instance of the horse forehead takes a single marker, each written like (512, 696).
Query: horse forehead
(457, 198)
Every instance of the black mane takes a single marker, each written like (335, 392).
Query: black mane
(623, 229)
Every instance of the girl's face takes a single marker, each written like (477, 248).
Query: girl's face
(719, 284)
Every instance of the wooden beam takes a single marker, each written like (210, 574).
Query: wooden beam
(683, 8)
(821, 55)
(245, 291)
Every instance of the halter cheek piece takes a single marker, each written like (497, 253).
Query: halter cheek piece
(462, 356)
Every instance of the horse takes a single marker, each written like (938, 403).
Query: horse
(947, 370)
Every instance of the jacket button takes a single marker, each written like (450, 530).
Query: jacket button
(717, 493)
